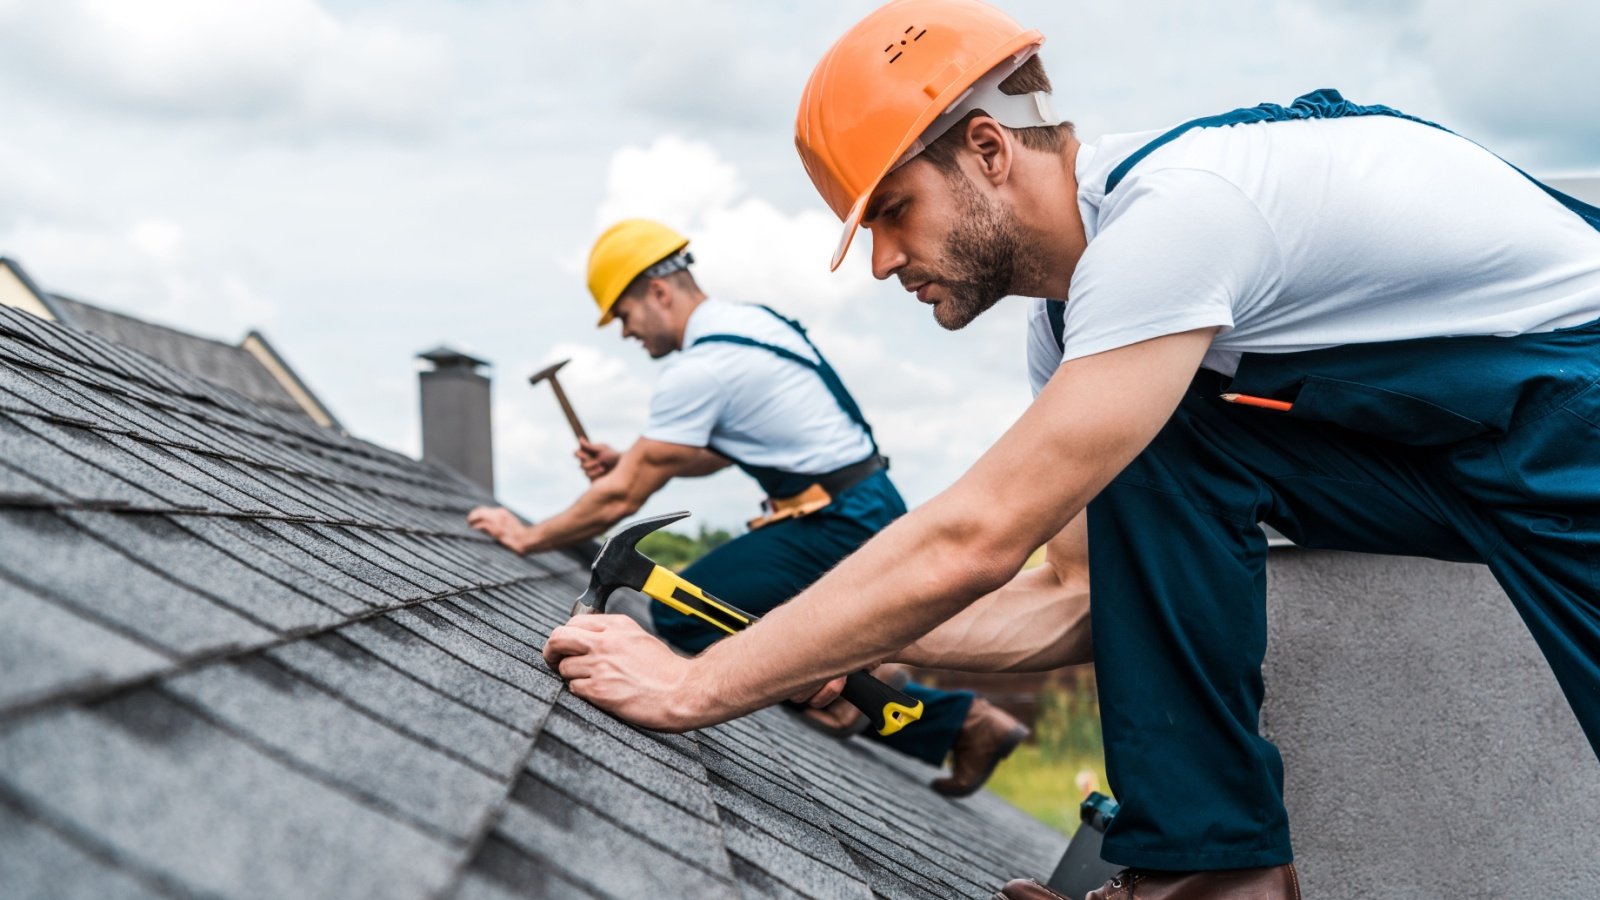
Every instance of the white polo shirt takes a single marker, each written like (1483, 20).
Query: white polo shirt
(1314, 233)
(749, 403)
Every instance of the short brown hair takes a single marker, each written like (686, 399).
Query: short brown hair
(1045, 138)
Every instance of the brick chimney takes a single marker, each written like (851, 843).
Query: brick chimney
(456, 428)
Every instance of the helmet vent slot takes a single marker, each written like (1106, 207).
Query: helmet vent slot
(904, 41)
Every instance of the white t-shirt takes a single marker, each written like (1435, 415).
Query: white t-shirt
(1315, 233)
(748, 403)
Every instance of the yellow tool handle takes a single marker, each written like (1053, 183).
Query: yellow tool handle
(670, 588)
(888, 709)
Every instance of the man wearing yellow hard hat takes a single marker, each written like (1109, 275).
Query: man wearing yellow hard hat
(1343, 321)
(746, 386)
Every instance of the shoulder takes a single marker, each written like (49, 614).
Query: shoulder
(691, 371)
(715, 314)
(1096, 160)
(726, 317)
(755, 323)
(1170, 214)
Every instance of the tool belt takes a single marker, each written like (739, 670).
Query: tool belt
(820, 493)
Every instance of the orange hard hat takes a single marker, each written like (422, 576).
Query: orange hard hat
(877, 91)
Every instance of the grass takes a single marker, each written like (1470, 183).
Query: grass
(1046, 776)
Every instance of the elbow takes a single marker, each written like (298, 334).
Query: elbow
(620, 505)
(982, 552)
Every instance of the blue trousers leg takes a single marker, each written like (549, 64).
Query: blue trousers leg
(761, 569)
(1177, 571)
(1539, 490)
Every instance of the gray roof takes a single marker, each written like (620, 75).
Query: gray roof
(230, 365)
(1586, 188)
(247, 656)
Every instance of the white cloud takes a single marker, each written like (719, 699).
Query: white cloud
(719, 70)
(288, 61)
(145, 269)
(674, 179)
(161, 240)
(1522, 72)
(748, 249)
(1513, 76)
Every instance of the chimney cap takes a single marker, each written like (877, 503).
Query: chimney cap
(444, 357)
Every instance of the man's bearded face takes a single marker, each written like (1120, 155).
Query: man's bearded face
(978, 262)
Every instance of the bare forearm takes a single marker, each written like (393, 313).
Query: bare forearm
(1096, 414)
(1037, 622)
(619, 493)
(600, 507)
(939, 564)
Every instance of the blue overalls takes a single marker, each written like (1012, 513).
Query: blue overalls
(765, 567)
(1480, 449)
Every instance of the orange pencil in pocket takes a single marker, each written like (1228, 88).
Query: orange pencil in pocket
(1262, 402)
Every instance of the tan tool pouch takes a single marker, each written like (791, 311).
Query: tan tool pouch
(804, 503)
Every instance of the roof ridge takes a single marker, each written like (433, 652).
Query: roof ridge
(150, 370)
(143, 323)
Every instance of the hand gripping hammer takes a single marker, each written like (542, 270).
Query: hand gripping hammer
(620, 564)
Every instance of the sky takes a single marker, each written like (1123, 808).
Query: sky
(365, 180)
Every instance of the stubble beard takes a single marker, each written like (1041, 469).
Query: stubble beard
(980, 256)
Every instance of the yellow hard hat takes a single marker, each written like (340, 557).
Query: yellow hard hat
(623, 252)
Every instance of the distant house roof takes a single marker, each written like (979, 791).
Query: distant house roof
(248, 656)
(252, 367)
(1585, 188)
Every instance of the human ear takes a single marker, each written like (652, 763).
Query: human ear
(991, 144)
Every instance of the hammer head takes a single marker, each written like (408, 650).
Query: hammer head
(620, 564)
(548, 371)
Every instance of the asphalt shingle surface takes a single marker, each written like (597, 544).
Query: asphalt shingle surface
(241, 655)
(221, 363)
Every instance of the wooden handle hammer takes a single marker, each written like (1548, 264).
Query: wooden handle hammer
(549, 374)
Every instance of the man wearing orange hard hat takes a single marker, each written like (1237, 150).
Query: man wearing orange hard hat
(1341, 320)
(746, 386)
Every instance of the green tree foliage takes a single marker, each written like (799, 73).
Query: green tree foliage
(1068, 725)
(1048, 776)
(676, 551)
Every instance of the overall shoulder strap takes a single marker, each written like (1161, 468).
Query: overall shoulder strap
(743, 341)
(830, 378)
(1057, 311)
(1323, 104)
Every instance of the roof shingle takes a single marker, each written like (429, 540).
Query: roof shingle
(246, 656)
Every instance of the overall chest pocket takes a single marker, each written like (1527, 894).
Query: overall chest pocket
(1383, 413)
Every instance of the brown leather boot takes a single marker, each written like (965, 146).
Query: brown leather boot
(988, 735)
(1276, 883)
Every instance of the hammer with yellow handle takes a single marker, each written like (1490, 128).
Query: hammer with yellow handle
(620, 564)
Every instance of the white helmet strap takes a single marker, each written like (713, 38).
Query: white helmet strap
(1030, 110)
